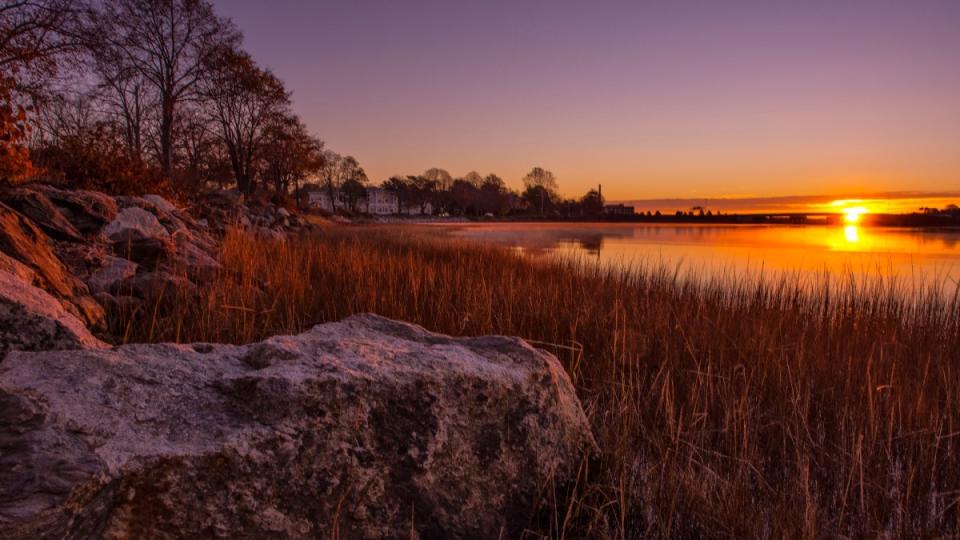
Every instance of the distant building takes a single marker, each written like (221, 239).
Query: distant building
(321, 199)
(378, 202)
(618, 210)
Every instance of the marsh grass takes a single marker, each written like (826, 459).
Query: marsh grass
(724, 405)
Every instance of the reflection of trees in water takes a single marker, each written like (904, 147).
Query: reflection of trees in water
(537, 241)
(684, 232)
(591, 243)
(949, 238)
(542, 241)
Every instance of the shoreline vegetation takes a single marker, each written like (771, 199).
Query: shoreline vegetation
(722, 406)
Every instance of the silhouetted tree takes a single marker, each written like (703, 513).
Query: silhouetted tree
(244, 100)
(540, 184)
(169, 43)
(290, 153)
(424, 191)
(494, 196)
(464, 197)
(473, 178)
(401, 188)
(592, 203)
(354, 188)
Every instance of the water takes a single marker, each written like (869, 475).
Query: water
(916, 256)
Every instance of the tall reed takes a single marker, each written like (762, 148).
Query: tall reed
(724, 405)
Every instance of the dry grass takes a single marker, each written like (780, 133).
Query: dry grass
(724, 406)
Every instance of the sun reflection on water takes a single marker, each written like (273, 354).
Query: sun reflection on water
(852, 234)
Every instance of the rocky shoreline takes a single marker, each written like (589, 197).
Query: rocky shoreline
(97, 253)
(366, 428)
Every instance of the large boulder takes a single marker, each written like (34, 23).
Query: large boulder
(366, 428)
(32, 320)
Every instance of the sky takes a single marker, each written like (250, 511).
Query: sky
(653, 100)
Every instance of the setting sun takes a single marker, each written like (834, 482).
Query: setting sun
(853, 214)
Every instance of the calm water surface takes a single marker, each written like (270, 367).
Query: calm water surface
(917, 256)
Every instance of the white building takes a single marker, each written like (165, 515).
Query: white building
(378, 202)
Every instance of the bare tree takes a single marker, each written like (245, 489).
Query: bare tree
(167, 42)
(474, 178)
(291, 154)
(126, 94)
(440, 176)
(244, 99)
(34, 36)
(331, 175)
(540, 184)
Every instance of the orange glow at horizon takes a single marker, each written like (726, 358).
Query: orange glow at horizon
(852, 210)
(852, 215)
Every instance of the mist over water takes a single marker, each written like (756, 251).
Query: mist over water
(918, 258)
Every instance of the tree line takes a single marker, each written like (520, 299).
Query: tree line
(137, 95)
(472, 194)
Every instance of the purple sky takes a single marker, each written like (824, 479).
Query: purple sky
(653, 99)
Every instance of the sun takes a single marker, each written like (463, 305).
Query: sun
(853, 214)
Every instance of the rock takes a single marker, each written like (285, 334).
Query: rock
(113, 271)
(88, 310)
(137, 235)
(154, 287)
(87, 211)
(121, 310)
(366, 428)
(161, 203)
(36, 206)
(195, 261)
(147, 252)
(82, 260)
(198, 238)
(133, 224)
(32, 320)
(22, 240)
(18, 269)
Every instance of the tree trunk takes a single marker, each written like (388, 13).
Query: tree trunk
(166, 136)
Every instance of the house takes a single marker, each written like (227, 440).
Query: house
(618, 210)
(378, 202)
(321, 199)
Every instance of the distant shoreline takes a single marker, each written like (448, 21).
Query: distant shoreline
(914, 221)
